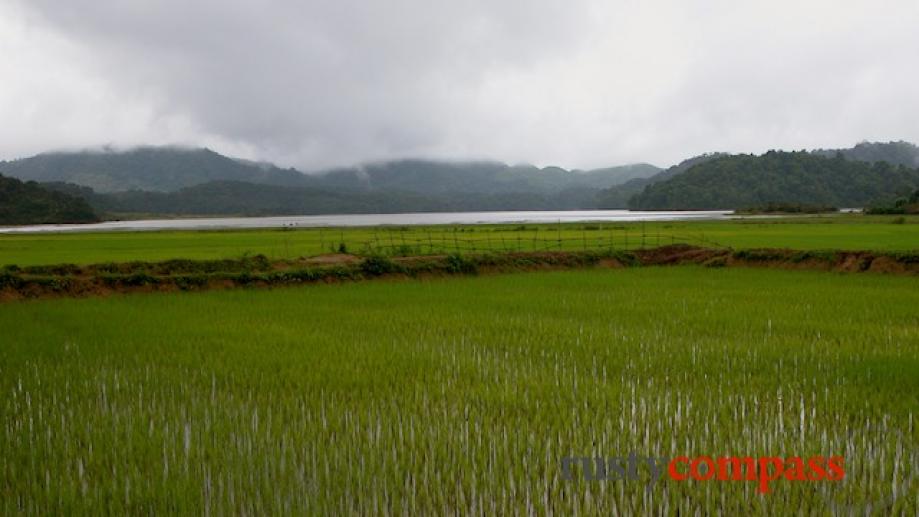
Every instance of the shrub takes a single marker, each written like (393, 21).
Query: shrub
(108, 267)
(801, 256)
(456, 263)
(304, 275)
(139, 279)
(906, 257)
(626, 258)
(9, 280)
(404, 250)
(53, 283)
(293, 276)
(57, 269)
(244, 278)
(341, 273)
(187, 282)
(376, 265)
(759, 255)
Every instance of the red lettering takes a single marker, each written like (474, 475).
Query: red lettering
(797, 469)
(672, 470)
(816, 466)
(734, 466)
(764, 476)
(709, 471)
(836, 467)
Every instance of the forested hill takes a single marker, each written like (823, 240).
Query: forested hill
(894, 153)
(618, 196)
(742, 181)
(241, 198)
(30, 203)
(145, 168)
(169, 169)
(435, 177)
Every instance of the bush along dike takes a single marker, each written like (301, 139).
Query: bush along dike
(70, 280)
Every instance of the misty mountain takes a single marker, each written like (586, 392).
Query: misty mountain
(146, 168)
(168, 180)
(894, 153)
(241, 198)
(618, 196)
(432, 177)
(743, 181)
(30, 203)
(249, 199)
(167, 169)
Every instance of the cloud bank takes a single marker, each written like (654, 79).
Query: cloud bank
(583, 83)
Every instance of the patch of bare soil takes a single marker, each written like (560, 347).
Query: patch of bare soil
(678, 254)
(889, 265)
(610, 263)
(851, 263)
(331, 259)
(407, 261)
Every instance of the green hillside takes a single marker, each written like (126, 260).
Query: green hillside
(146, 168)
(30, 203)
(743, 181)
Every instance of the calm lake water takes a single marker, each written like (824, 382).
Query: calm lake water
(314, 221)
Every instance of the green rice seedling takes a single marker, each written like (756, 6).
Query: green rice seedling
(462, 395)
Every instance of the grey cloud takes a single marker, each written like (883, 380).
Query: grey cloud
(580, 83)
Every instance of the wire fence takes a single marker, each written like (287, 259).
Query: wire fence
(410, 242)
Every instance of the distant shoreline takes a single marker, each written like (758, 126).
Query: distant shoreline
(350, 220)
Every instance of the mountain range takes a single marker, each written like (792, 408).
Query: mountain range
(169, 169)
(173, 180)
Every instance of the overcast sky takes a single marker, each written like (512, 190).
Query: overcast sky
(575, 83)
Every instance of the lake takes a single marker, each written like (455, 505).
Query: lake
(315, 221)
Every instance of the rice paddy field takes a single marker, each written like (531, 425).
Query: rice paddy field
(853, 232)
(460, 395)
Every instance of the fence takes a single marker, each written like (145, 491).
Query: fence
(408, 241)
